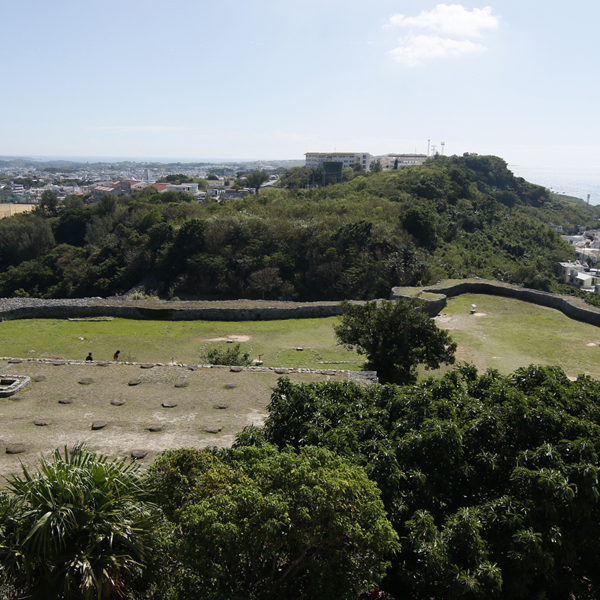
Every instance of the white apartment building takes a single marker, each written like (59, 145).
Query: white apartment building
(315, 160)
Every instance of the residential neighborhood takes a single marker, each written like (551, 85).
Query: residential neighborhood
(24, 184)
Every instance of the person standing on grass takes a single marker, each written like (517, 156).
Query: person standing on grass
(89, 357)
(116, 356)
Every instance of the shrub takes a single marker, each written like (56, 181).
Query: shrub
(227, 356)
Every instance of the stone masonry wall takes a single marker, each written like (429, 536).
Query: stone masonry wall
(33, 308)
(570, 306)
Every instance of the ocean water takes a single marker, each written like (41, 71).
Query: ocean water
(572, 181)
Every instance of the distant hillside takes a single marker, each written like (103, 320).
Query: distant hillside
(453, 217)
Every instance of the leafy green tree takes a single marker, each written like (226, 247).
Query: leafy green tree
(178, 178)
(24, 237)
(98, 229)
(395, 336)
(73, 201)
(48, 202)
(265, 280)
(190, 238)
(259, 523)
(255, 179)
(420, 222)
(80, 528)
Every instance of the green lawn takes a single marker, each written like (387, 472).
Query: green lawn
(506, 334)
(503, 334)
(183, 341)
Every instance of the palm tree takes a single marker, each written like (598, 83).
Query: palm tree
(80, 528)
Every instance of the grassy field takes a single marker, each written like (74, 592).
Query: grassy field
(506, 334)
(178, 341)
(502, 333)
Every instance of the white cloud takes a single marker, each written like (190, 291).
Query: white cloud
(449, 31)
(452, 19)
(414, 49)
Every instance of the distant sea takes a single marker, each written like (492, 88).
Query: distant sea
(572, 181)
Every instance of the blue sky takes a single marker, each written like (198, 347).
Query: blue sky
(275, 79)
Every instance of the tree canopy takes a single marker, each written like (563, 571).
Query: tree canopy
(452, 217)
(255, 179)
(490, 481)
(258, 523)
(395, 336)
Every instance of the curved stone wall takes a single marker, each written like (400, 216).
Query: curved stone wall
(568, 305)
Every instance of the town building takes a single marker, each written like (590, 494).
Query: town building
(314, 160)
(14, 192)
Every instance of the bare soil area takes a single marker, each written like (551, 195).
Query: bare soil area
(211, 406)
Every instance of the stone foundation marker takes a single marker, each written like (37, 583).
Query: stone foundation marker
(212, 429)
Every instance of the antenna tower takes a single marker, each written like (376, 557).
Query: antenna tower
(442, 144)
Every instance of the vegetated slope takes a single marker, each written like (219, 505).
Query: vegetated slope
(452, 217)
(491, 482)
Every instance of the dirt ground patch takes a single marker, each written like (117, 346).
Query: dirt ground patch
(207, 398)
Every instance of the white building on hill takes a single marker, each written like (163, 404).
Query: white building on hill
(314, 160)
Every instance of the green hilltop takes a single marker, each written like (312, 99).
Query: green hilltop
(453, 217)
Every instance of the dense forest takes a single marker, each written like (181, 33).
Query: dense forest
(452, 217)
(468, 487)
